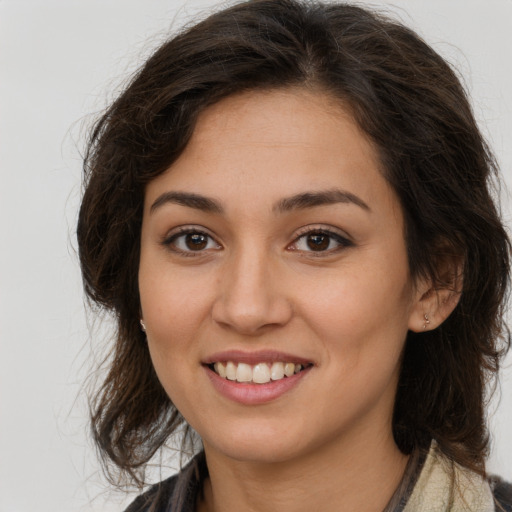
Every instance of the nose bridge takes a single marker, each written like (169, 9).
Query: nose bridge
(249, 296)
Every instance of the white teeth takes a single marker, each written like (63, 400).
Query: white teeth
(243, 373)
(231, 370)
(277, 371)
(289, 369)
(261, 373)
(220, 369)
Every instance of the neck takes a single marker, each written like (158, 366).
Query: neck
(356, 474)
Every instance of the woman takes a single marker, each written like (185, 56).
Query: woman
(289, 212)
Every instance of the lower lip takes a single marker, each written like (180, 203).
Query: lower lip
(254, 394)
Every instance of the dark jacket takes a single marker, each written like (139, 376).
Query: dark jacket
(187, 486)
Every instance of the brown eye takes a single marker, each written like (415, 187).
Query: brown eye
(196, 241)
(191, 241)
(318, 241)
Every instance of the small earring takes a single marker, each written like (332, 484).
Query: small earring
(142, 325)
(427, 321)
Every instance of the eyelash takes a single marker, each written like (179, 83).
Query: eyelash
(170, 241)
(341, 241)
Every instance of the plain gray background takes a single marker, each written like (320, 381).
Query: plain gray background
(60, 62)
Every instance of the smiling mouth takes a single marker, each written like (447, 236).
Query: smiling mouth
(261, 373)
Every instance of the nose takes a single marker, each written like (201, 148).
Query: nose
(251, 296)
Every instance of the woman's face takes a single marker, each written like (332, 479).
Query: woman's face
(273, 251)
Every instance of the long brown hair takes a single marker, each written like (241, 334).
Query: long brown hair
(412, 106)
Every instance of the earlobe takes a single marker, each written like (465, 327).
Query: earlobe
(434, 305)
(437, 296)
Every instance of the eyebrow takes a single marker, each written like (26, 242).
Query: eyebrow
(196, 201)
(296, 202)
(320, 198)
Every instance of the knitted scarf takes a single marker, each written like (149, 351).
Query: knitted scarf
(444, 486)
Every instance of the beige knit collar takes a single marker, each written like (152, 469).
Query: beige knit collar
(444, 486)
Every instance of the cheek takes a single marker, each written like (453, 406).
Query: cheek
(173, 303)
(174, 306)
(354, 301)
(362, 326)
(360, 310)
(172, 313)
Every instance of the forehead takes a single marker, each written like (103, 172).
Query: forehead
(284, 118)
(274, 144)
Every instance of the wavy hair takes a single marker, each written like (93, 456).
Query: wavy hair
(412, 106)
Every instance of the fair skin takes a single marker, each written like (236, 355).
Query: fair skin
(275, 239)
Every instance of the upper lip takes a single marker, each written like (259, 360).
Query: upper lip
(252, 358)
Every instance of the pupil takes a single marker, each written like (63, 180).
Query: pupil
(196, 241)
(318, 242)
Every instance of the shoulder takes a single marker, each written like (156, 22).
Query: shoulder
(502, 492)
(158, 495)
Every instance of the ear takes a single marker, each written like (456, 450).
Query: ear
(435, 301)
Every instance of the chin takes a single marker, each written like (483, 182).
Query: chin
(262, 445)
(258, 453)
